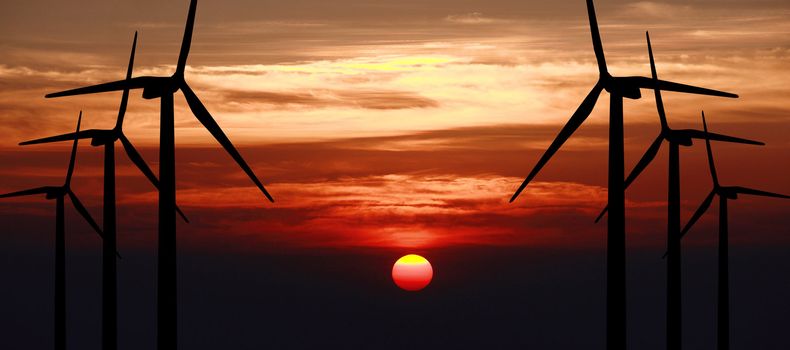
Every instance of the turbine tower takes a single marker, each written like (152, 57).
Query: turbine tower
(59, 193)
(108, 138)
(618, 88)
(725, 193)
(675, 138)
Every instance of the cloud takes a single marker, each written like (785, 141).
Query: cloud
(460, 84)
(656, 9)
(392, 210)
(471, 18)
(395, 191)
(367, 99)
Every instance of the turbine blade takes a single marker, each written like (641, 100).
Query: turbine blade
(181, 214)
(698, 134)
(84, 212)
(648, 83)
(662, 114)
(753, 192)
(125, 96)
(648, 157)
(87, 216)
(677, 87)
(84, 134)
(574, 122)
(703, 207)
(711, 164)
(659, 101)
(134, 83)
(187, 42)
(131, 57)
(138, 161)
(596, 38)
(73, 158)
(205, 118)
(30, 192)
(650, 54)
(603, 212)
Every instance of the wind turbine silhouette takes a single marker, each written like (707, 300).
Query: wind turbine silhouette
(107, 138)
(164, 88)
(618, 88)
(675, 138)
(724, 193)
(59, 193)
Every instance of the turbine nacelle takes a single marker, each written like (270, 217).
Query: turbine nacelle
(728, 193)
(56, 192)
(679, 138)
(156, 87)
(105, 137)
(622, 87)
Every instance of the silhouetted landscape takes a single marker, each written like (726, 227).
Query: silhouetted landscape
(305, 299)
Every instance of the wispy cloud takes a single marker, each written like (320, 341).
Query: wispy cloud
(399, 210)
(472, 18)
(657, 9)
(367, 99)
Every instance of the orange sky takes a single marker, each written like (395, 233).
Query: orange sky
(397, 126)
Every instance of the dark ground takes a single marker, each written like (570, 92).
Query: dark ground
(481, 297)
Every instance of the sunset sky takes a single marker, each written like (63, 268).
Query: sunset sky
(383, 128)
(375, 124)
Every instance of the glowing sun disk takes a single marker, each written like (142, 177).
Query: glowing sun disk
(412, 272)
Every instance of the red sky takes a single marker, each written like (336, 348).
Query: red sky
(406, 126)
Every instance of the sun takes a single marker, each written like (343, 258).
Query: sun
(412, 272)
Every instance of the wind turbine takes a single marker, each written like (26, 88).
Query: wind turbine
(618, 88)
(59, 193)
(108, 138)
(675, 138)
(724, 193)
(164, 88)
